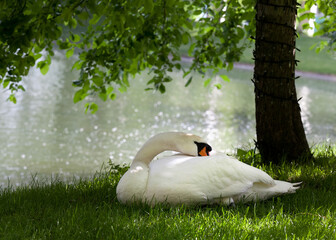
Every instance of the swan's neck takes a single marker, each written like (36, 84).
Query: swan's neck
(154, 146)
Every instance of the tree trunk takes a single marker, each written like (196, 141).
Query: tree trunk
(279, 127)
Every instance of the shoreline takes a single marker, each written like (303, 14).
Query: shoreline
(249, 67)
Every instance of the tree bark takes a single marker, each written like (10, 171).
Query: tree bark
(279, 127)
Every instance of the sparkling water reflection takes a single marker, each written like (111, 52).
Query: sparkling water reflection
(45, 135)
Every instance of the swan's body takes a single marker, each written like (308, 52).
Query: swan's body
(190, 179)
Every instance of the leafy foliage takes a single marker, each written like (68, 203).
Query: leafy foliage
(114, 40)
(26, 29)
(325, 23)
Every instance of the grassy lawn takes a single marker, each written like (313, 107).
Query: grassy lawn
(89, 209)
(322, 62)
(310, 61)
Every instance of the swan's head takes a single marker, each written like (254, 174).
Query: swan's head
(185, 143)
(193, 145)
(203, 149)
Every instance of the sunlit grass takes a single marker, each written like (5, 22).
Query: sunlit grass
(310, 61)
(306, 55)
(89, 209)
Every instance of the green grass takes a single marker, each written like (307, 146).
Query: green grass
(310, 61)
(89, 209)
(322, 62)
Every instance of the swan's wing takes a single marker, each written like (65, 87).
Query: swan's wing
(193, 178)
(229, 177)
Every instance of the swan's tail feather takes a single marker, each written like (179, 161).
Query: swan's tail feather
(282, 187)
(261, 191)
(294, 187)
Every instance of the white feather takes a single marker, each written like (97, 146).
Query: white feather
(197, 180)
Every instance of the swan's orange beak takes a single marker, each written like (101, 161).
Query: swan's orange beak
(203, 149)
(204, 152)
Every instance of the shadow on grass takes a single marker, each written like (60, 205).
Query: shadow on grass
(89, 208)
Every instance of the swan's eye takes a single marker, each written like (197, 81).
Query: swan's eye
(203, 149)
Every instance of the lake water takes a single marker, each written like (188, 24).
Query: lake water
(46, 136)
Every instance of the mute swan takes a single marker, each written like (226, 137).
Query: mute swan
(193, 177)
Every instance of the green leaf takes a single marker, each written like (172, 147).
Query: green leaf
(70, 52)
(37, 56)
(79, 95)
(305, 26)
(313, 46)
(113, 96)
(122, 89)
(67, 13)
(48, 59)
(5, 83)
(63, 44)
(93, 107)
(12, 98)
(77, 65)
(87, 106)
(188, 82)
(170, 3)
(27, 12)
(240, 33)
(162, 88)
(218, 86)
(229, 66)
(125, 80)
(99, 81)
(149, 5)
(185, 38)
(84, 15)
(188, 24)
(109, 90)
(21, 88)
(44, 67)
(75, 37)
(207, 82)
(73, 23)
(197, 12)
(306, 15)
(191, 49)
(103, 96)
(31, 61)
(77, 83)
(186, 73)
(94, 20)
(110, 93)
(225, 78)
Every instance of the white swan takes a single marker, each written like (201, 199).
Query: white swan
(192, 178)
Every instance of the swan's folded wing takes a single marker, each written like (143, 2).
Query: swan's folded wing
(186, 178)
(229, 177)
